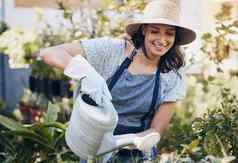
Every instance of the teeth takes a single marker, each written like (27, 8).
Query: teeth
(159, 45)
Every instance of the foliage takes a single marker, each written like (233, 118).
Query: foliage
(19, 44)
(177, 128)
(40, 70)
(217, 130)
(207, 131)
(174, 157)
(39, 101)
(219, 45)
(39, 142)
(210, 137)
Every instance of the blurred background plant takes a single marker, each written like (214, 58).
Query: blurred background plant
(204, 128)
(214, 134)
(218, 46)
(40, 142)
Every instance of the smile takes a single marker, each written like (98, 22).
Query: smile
(159, 46)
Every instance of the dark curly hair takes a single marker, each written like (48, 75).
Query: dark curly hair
(172, 60)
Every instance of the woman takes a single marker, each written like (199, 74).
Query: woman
(147, 88)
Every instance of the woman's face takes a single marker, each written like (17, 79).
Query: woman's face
(159, 39)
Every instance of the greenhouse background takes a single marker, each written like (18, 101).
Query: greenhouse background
(32, 93)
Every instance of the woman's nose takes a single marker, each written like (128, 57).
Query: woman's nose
(163, 41)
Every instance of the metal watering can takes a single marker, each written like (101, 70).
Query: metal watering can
(90, 130)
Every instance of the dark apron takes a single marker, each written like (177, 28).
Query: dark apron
(121, 129)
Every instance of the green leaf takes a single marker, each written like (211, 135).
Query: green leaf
(68, 14)
(206, 36)
(31, 47)
(41, 130)
(17, 129)
(12, 124)
(48, 131)
(59, 139)
(7, 142)
(52, 112)
(56, 125)
(32, 136)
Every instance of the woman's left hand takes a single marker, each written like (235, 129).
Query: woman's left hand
(145, 140)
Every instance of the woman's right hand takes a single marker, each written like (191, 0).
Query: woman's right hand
(92, 83)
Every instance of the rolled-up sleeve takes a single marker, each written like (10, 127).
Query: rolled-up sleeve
(96, 47)
(175, 88)
(101, 52)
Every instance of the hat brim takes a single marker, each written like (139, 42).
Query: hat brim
(185, 34)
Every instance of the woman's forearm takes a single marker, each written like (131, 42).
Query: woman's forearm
(162, 117)
(55, 57)
(59, 56)
(149, 138)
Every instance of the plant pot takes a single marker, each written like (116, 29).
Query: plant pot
(39, 85)
(55, 87)
(48, 88)
(51, 88)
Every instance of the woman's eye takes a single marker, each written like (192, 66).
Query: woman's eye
(170, 33)
(154, 32)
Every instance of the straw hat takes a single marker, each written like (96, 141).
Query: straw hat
(163, 12)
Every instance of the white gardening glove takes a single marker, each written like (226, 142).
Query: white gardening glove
(92, 83)
(146, 142)
(143, 141)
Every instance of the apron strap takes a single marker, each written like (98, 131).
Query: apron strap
(125, 64)
(151, 111)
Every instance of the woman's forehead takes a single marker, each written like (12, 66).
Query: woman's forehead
(159, 26)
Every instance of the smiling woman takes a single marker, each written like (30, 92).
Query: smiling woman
(159, 44)
(158, 39)
(144, 75)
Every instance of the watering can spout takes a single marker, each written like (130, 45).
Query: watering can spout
(110, 143)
